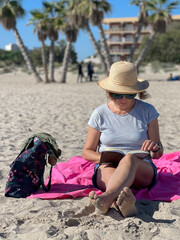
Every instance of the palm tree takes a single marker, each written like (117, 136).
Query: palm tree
(68, 27)
(95, 10)
(81, 20)
(39, 20)
(52, 9)
(142, 21)
(159, 18)
(9, 12)
(53, 36)
(71, 33)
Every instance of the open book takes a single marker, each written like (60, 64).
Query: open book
(115, 154)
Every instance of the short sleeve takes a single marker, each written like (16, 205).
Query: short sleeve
(94, 120)
(152, 113)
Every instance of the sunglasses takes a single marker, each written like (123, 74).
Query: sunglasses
(127, 96)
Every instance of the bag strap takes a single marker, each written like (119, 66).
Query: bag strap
(48, 188)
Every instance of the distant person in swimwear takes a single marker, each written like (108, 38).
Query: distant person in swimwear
(175, 78)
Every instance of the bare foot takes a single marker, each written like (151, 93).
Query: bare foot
(99, 203)
(126, 203)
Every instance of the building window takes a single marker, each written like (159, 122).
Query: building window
(115, 27)
(116, 58)
(115, 38)
(129, 38)
(129, 27)
(148, 28)
(115, 49)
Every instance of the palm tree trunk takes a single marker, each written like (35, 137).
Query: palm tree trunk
(105, 46)
(96, 47)
(145, 49)
(51, 61)
(44, 62)
(136, 38)
(26, 55)
(65, 62)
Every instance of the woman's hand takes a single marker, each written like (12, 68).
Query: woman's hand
(154, 145)
(150, 145)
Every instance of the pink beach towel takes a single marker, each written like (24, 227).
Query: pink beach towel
(72, 179)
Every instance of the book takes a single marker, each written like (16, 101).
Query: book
(115, 155)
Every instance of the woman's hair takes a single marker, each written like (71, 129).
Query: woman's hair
(142, 95)
(109, 95)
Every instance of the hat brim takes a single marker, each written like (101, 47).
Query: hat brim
(140, 86)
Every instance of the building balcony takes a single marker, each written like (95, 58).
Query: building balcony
(111, 31)
(114, 30)
(121, 52)
(120, 42)
(122, 31)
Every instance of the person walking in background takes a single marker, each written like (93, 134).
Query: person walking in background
(125, 123)
(80, 72)
(90, 71)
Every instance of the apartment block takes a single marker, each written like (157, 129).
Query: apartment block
(121, 32)
(11, 47)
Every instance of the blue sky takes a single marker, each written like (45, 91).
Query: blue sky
(83, 46)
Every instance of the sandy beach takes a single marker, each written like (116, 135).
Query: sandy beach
(63, 110)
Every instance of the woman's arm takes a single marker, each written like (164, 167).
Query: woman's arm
(89, 150)
(153, 144)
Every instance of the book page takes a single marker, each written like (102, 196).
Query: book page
(115, 150)
(140, 153)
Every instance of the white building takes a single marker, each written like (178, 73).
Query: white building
(92, 59)
(11, 47)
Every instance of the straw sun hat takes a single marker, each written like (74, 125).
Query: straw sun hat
(123, 79)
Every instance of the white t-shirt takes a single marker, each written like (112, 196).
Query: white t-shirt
(127, 132)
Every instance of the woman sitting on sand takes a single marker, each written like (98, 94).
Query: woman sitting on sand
(129, 124)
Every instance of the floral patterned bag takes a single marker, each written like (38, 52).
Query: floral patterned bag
(27, 171)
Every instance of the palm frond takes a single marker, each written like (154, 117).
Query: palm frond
(136, 2)
(17, 9)
(7, 18)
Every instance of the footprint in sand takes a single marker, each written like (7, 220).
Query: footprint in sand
(175, 211)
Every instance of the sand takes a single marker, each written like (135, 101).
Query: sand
(63, 110)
